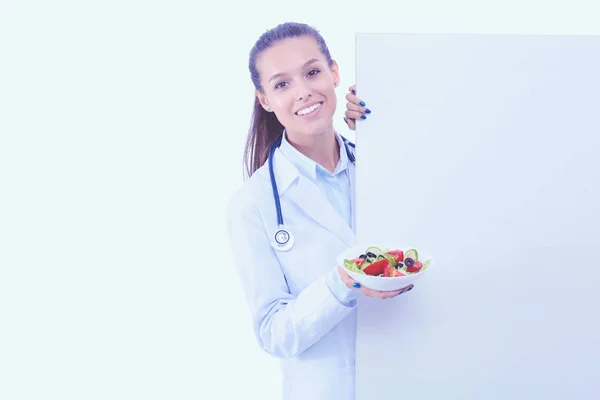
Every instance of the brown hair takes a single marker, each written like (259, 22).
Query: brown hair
(265, 128)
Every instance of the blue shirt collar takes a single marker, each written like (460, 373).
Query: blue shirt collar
(309, 167)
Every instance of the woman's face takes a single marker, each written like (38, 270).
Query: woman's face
(299, 85)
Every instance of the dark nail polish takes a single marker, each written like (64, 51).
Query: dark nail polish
(356, 285)
(368, 111)
(410, 288)
(353, 91)
(363, 117)
(362, 103)
(345, 120)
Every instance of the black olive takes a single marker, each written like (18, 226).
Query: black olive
(399, 265)
(372, 255)
(363, 256)
(409, 262)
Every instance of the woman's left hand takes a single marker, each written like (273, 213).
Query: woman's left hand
(351, 283)
(356, 109)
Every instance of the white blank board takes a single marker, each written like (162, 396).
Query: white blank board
(483, 150)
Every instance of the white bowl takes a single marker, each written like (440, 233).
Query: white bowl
(383, 283)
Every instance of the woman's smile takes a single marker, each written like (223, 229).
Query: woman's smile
(310, 111)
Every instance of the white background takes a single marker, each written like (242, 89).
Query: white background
(122, 125)
(493, 170)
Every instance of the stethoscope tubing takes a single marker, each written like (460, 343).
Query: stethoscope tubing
(273, 180)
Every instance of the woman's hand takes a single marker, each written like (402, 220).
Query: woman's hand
(350, 283)
(355, 108)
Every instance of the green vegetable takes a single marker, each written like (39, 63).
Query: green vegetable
(366, 263)
(390, 259)
(351, 266)
(412, 253)
(375, 250)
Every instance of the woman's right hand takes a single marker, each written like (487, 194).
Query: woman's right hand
(349, 282)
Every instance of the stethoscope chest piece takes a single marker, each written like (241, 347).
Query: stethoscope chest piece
(283, 240)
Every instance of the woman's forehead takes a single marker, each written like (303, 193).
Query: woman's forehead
(288, 55)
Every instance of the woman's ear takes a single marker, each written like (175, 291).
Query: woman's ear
(335, 73)
(263, 100)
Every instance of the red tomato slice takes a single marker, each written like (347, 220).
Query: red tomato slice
(390, 271)
(377, 267)
(415, 267)
(358, 261)
(398, 255)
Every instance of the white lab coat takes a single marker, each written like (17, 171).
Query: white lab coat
(295, 315)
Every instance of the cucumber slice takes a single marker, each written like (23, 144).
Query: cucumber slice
(375, 250)
(412, 253)
(366, 264)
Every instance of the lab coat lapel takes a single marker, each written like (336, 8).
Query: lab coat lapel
(316, 205)
(307, 195)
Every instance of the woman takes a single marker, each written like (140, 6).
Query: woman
(303, 305)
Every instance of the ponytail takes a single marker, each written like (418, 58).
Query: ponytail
(265, 129)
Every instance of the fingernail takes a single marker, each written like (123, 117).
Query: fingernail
(356, 285)
(353, 91)
(368, 111)
(409, 289)
(362, 103)
(345, 120)
(363, 117)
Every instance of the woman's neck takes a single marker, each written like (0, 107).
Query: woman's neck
(321, 148)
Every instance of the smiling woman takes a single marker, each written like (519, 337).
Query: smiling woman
(295, 80)
(303, 304)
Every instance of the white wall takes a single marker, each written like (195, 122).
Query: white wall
(115, 274)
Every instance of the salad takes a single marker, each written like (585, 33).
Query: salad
(387, 263)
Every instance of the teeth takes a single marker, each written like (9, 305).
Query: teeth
(309, 109)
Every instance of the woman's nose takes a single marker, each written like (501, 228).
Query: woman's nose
(303, 91)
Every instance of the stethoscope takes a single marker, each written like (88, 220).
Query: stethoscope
(283, 239)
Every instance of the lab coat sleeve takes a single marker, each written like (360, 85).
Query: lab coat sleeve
(284, 325)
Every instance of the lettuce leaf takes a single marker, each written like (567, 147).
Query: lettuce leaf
(353, 267)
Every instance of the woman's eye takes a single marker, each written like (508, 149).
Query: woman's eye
(313, 72)
(280, 84)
